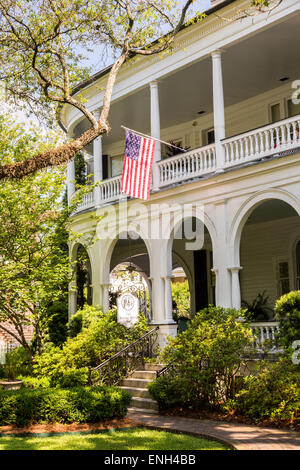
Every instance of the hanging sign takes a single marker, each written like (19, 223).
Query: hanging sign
(128, 309)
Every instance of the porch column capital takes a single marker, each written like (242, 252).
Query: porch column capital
(235, 269)
(217, 53)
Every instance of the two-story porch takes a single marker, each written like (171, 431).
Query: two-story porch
(232, 100)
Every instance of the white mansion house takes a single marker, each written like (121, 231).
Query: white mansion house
(228, 93)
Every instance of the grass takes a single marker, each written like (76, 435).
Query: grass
(131, 439)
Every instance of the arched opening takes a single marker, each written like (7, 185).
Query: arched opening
(192, 256)
(83, 277)
(270, 265)
(130, 272)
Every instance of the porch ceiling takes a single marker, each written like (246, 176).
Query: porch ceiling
(250, 67)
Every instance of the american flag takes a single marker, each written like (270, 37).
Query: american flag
(137, 167)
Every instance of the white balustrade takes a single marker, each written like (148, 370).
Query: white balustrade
(253, 145)
(264, 331)
(110, 189)
(259, 143)
(187, 165)
(86, 203)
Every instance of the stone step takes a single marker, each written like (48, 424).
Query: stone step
(135, 383)
(151, 366)
(144, 374)
(137, 392)
(144, 403)
(142, 410)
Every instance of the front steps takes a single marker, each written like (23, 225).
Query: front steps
(136, 384)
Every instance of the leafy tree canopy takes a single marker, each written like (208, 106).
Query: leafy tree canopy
(41, 64)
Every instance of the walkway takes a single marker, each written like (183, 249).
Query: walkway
(240, 436)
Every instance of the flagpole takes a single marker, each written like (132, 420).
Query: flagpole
(154, 138)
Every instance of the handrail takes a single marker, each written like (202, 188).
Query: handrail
(122, 363)
(119, 353)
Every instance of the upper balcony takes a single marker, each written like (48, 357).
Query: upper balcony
(274, 140)
(207, 105)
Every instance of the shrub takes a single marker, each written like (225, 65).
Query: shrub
(170, 391)
(57, 319)
(83, 319)
(95, 343)
(35, 382)
(273, 393)
(80, 404)
(287, 310)
(74, 378)
(208, 354)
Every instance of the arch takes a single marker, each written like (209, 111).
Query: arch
(109, 247)
(247, 208)
(198, 214)
(73, 253)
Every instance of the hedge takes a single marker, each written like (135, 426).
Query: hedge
(49, 405)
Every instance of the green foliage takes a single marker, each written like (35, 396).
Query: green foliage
(34, 382)
(208, 354)
(83, 319)
(17, 362)
(287, 311)
(273, 392)
(181, 298)
(74, 378)
(101, 337)
(57, 320)
(48, 405)
(171, 391)
(34, 265)
(258, 309)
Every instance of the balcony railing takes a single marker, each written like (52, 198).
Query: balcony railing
(188, 165)
(264, 331)
(262, 142)
(253, 145)
(110, 190)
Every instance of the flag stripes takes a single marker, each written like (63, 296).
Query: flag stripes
(137, 168)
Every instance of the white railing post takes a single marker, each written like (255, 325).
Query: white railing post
(155, 132)
(219, 110)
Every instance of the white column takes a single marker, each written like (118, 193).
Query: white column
(72, 299)
(168, 300)
(220, 255)
(104, 301)
(98, 165)
(235, 285)
(161, 292)
(219, 110)
(155, 131)
(70, 179)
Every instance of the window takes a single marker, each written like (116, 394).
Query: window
(292, 108)
(275, 112)
(208, 136)
(283, 278)
(117, 165)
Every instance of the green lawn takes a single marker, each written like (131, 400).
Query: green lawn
(131, 439)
